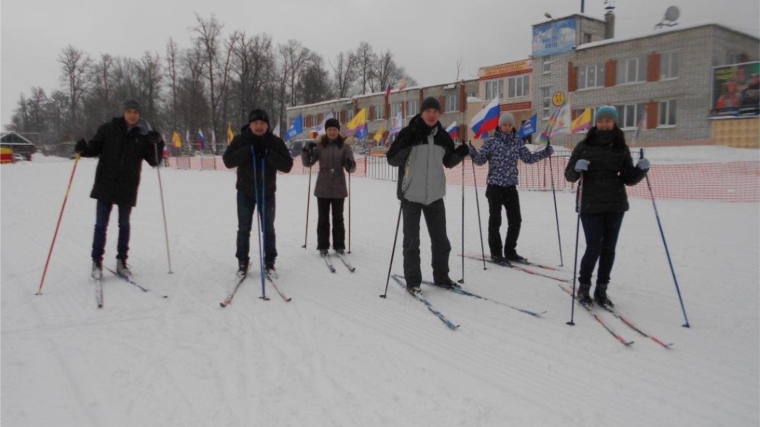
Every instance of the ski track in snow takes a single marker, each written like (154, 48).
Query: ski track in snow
(337, 354)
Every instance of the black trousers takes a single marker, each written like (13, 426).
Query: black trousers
(324, 205)
(435, 218)
(601, 231)
(508, 198)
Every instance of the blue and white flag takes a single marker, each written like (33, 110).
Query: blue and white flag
(296, 128)
(529, 127)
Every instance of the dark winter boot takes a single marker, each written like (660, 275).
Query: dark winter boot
(242, 269)
(270, 270)
(97, 270)
(514, 257)
(583, 293)
(122, 269)
(323, 252)
(498, 259)
(340, 251)
(600, 295)
(444, 281)
(413, 288)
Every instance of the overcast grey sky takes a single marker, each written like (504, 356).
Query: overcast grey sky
(427, 37)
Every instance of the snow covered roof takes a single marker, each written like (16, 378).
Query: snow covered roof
(13, 138)
(653, 33)
(583, 15)
(317, 104)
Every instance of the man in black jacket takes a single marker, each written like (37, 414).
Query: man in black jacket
(421, 151)
(258, 156)
(122, 144)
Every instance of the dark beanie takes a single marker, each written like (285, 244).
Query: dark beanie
(258, 114)
(430, 102)
(332, 123)
(131, 104)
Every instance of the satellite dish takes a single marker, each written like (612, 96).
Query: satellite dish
(672, 13)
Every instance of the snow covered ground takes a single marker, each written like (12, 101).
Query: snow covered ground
(337, 354)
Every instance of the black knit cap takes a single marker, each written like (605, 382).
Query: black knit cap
(131, 104)
(258, 114)
(332, 123)
(430, 102)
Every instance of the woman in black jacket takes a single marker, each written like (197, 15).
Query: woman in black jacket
(604, 161)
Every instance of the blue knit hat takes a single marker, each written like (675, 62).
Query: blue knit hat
(607, 112)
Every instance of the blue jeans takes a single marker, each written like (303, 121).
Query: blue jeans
(245, 208)
(601, 231)
(102, 216)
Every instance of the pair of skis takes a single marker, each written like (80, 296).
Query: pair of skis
(271, 278)
(523, 266)
(593, 312)
(342, 258)
(128, 279)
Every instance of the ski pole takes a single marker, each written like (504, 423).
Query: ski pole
(349, 213)
(462, 279)
(667, 252)
(477, 204)
(60, 216)
(260, 225)
(578, 200)
(163, 209)
(556, 215)
(393, 252)
(308, 203)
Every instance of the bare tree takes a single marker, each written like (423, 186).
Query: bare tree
(253, 64)
(215, 66)
(314, 84)
(149, 79)
(293, 57)
(366, 59)
(171, 70)
(74, 67)
(344, 73)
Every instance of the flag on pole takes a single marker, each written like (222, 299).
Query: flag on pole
(402, 84)
(176, 140)
(398, 123)
(529, 127)
(387, 92)
(276, 131)
(320, 130)
(379, 134)
(296, 128)
(453, 131)
(581, 123)
(358, 125)
(564, 119)
(230, 134)
(487, 119)
(201, 140)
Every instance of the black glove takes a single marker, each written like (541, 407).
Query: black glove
(463, 150)
(350, 164)
(153, 137)
(310, 146)
(81, 146)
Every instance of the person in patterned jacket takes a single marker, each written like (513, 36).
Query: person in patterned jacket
(502, 152)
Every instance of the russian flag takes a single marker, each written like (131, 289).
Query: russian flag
(453, 130)
(487, 119)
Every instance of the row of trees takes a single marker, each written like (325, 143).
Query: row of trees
(216, 81)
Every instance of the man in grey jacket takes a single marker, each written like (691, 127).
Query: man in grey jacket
(420, 151)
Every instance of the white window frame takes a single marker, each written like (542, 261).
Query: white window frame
(494, 88)
(630, 114)
(411, 107)
(350, 114)
(546, 102)
(667, 116)
(546, 65)
(584, 79)
(452, 103)
(379, 110)
(519, 86)
(624, 71)
(395, 109)
(669, 65)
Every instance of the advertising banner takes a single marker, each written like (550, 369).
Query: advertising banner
(736, 90)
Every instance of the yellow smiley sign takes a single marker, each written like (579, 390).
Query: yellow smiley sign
(558, 98)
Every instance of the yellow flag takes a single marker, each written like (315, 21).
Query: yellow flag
(176, 140)
(379, 134)
(230, 134)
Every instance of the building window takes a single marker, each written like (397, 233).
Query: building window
(669, 65)
(629, 115)
(395, 109)
(591, 76)
(586, 38)
(632, 70)
(546, 102)
(546, 66)
(411, 108)
(667, 113)
(379, 110)
(452, 103)
(518, 87)
(733, 57)
(350, 114)
(494, 89)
